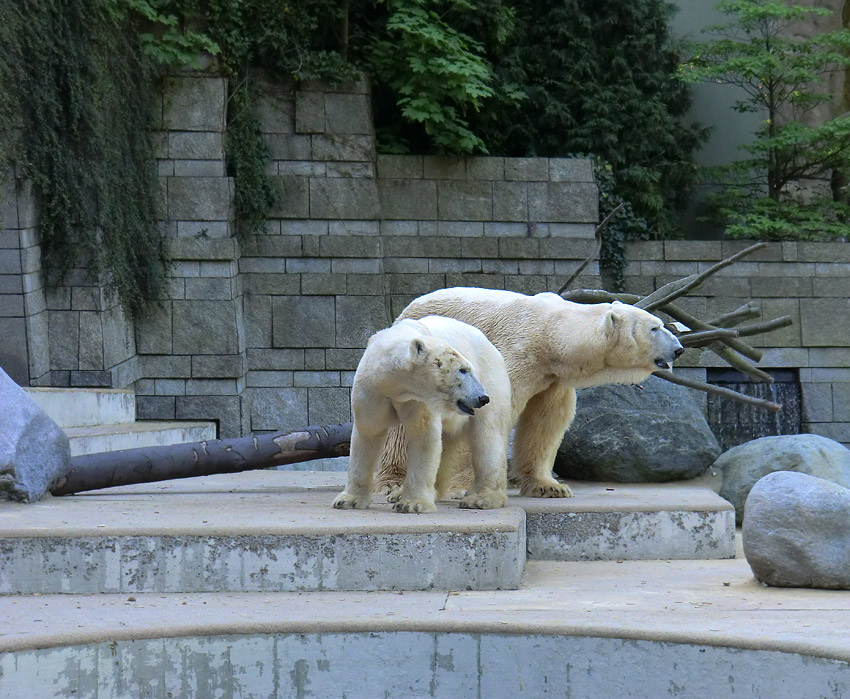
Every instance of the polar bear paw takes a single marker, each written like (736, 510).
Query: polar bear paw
(414, 506)
(488, 500)
(386, 487)
(394, 495)
(545, 489)
(346, 501)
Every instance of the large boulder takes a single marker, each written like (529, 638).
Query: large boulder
(797, 531)
(34, 451)
(629, 435)
(744, 465)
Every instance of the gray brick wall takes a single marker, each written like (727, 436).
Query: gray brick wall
(268, 334)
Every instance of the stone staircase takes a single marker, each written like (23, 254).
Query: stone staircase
(104, 419)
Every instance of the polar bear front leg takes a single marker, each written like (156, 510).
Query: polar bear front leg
(424, 447)
(365, 452)
(489, 449)
(539, 432)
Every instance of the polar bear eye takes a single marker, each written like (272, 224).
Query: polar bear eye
(463, 370)
(656, 329)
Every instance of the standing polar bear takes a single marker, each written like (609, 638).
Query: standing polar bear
(424, 375)
(551, 348)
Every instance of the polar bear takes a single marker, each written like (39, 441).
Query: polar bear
(551, 348)
(424, 375)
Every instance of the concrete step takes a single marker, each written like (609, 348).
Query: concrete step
(583, 630)
(131, 435)
(250, 534)
(85, 407)
(626, 521)
(277, 531)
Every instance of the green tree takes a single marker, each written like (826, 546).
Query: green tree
(600, 78)
(782, 78)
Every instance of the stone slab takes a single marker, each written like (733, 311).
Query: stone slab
(100, 438)
(620, 521)
(70, 407)
(254, 540)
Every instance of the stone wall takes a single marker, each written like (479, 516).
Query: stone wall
(267, 334)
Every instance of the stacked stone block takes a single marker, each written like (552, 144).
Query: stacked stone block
(267, 334)
(23, 315)
(192, 347)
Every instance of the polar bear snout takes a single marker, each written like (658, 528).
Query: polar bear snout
(468, 406)
(671, 350)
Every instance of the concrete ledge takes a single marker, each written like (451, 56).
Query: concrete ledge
(706, 628)
(251, 541)
(93, 440)
(69, 407)
(624, 521)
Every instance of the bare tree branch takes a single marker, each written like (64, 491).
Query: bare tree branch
(717, 390)
(683, 286)
(745, 312)
(705, 337)
(596, 250)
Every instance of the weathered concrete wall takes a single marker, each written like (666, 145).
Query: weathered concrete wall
(414, 664)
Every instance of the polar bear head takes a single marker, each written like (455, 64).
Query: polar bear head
(638, 340)
(444, 375)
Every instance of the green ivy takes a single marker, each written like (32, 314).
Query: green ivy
(247, 155)
(75, 77)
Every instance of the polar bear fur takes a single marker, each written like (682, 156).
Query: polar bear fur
(551, 348)
(423, 375)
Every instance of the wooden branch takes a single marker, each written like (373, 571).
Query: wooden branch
(704, 337)
(666, 293)
(767, 326)
(738, 362)
(693, 323)
(745, 312)
(718, 391)
(150, 464)
(597, 248)
(598, 296)
(683, 286)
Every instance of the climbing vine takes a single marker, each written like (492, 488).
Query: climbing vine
(76, 80)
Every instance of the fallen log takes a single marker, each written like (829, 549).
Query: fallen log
(151, 464)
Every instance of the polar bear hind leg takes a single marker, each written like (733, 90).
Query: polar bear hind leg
(539, 432)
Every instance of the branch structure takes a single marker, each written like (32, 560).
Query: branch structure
(718, 335)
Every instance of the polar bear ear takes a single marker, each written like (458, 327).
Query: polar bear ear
(612, 320)
(417, 349)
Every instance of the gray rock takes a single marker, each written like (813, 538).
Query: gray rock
(797, 531)
(629, 435)
(744, 465)
(34, 451)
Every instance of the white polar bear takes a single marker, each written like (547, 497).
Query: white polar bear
(424, 375)
(551, 348)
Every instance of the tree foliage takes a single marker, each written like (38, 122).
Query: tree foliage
(599, 76)
(781, 76)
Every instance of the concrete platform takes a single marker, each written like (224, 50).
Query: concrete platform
(276, 531)
(114, 437)
(85, 407)
(249, 532)
(624, 521)
(693, 629)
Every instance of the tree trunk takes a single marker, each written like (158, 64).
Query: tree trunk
(151, 464)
